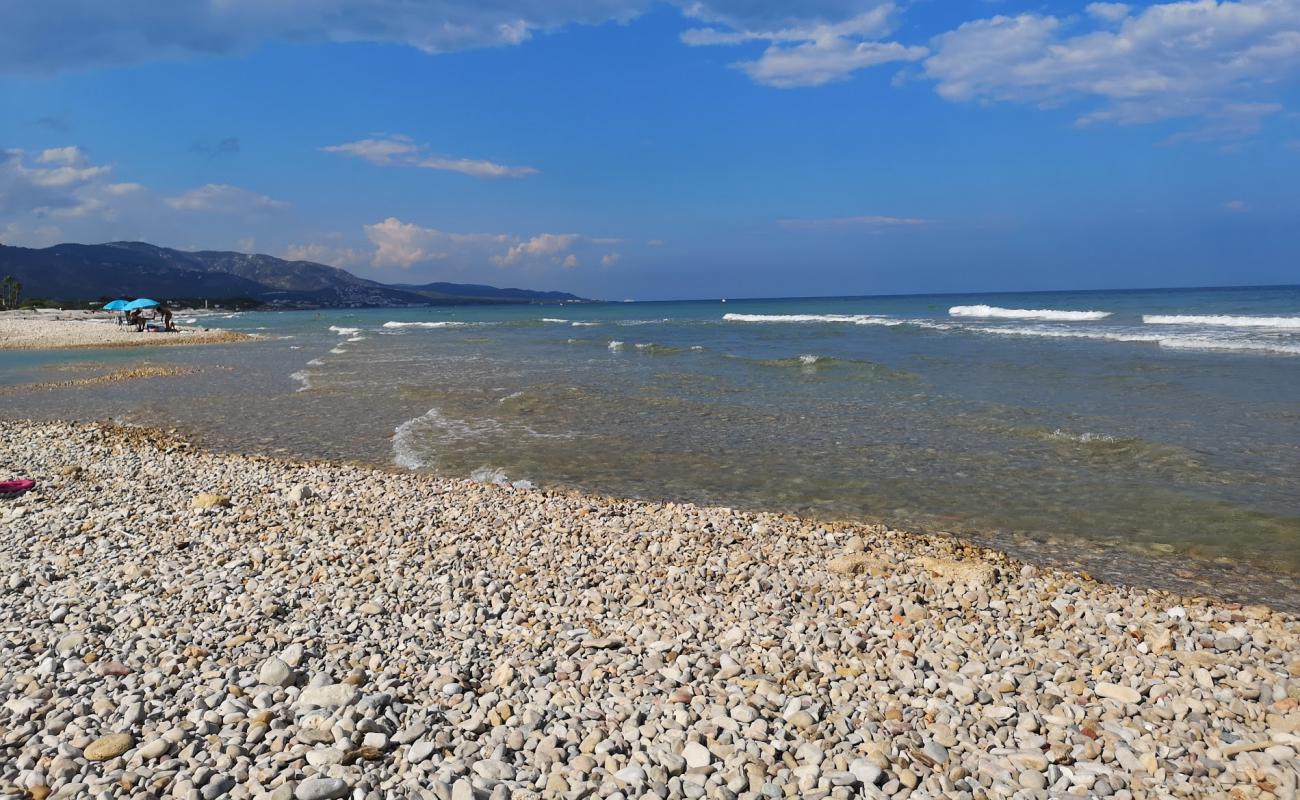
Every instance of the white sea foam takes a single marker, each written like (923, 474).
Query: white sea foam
(1172, 342)
(345, 331)
(1222, 320)
(356, 339)
(392, 324)
(189, 321)
(410, 434)
(808, 360)
(615, 346)
(645, 345)
(316, 362)
(498, 477)
(1026, 313)
(338, 351)
(553, 319)
(1082, 438)
(303, 377)
(852, 319)
(697, 347)
(584, 324)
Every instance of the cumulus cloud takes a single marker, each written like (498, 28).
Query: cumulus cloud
(58, 181)
(818, 47)
(1168, 60)
(223, 198)
(610, 259)
(58, 35)
(875, 222)
(545, 244)
(343, 257)
(402, 151)
(404, 245)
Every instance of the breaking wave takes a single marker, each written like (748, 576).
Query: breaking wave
(345, 331)
(392, 324)
(1222, 320)
(615, 346)
(854, 319)
(1026, 313)
(498, 477)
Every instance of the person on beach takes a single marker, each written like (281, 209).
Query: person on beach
(135, 318)
(166, 314)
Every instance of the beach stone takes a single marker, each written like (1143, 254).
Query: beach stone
(322, 789)
(856, 564)
(109, 746)
(154, 748)
(969, 573)
(696, 755)
(1032, 780)
(328, 696)
(208, 500)
(275, 672)
(1123, 694)
(299, 493)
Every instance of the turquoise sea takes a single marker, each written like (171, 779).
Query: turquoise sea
(1145, 435)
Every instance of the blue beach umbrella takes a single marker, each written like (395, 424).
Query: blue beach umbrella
(143, 302)
(115, 305)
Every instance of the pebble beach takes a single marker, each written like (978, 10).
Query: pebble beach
(176, 623)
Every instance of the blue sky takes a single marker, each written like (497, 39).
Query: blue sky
(624, 148)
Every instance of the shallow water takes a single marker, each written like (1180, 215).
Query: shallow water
(1161, 426)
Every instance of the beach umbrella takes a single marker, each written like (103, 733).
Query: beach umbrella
(115, 305)
(143, 302)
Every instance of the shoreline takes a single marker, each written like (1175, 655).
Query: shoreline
(346, 628)
(77, 330)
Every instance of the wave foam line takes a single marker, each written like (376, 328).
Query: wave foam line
(345, 331)
(1162, 340)
(1026, 313)
(853, 319)
(392, 324)
(1222, 320)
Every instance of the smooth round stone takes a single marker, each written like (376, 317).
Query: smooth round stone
(1032, 780)
(275, 672)
(110, 746)
(322, 789)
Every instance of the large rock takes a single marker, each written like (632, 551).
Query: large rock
(1124, 694)
(211, 500)
(275, 672)
(110, 746)
(322, 789)
(968, 573)
(330, 696)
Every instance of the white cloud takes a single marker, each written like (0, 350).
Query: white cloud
(54, 182)
(325, 254)
(404, 245)
(58, 35)
(876, 222)
(1109, 12)
(222, 198)
(1168, 60)
(810, 51)
(545, 244)
(402, 151)
(1236, 206)
(610, 259)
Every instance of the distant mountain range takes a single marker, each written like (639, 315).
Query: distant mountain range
(86, 272)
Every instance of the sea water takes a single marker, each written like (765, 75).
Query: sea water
(1143, 424)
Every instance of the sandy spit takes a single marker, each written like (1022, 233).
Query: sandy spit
(67, 330)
